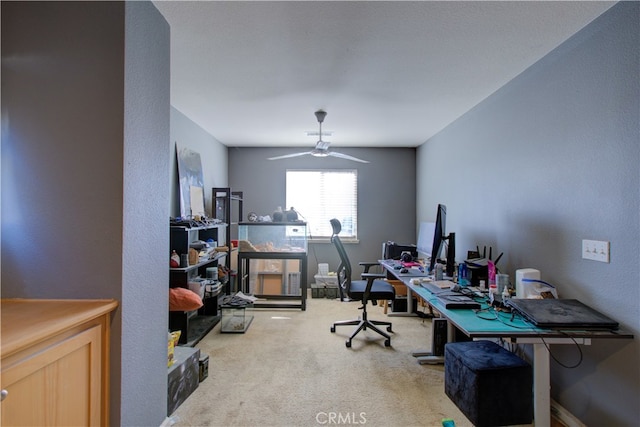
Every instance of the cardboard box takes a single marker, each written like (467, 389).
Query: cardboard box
(184, 376)
(401, 288)
(174, 337)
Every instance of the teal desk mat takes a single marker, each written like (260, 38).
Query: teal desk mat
(486, 321)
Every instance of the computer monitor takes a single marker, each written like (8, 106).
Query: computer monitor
(439, 238)
(425, 239)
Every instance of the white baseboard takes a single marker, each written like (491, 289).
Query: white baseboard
(168, 422)
(564, 416)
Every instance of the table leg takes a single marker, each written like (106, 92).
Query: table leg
(541, 386)
(542, 374)
(428, 358)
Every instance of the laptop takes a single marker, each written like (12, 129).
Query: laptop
(560, 313)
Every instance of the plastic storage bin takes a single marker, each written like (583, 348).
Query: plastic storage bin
(328, 281)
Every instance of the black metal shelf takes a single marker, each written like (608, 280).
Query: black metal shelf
(193, 325)
(216, 257)
(222, 211)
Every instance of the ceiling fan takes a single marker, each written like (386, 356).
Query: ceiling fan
(322, 147)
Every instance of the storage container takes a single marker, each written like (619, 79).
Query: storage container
(275, 237)
(236, 318)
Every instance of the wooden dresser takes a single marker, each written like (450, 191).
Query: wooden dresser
(55, 362)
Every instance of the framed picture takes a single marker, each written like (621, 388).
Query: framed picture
(191, 183)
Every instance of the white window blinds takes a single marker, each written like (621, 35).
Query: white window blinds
(320, 195)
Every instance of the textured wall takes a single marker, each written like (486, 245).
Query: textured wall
(186, 133)
(85, 119)
(386, 195)
(145, 274)
(62, 109)
(546, 161)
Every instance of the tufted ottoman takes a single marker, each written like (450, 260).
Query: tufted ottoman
(490, 385)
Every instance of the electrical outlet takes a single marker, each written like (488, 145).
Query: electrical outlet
(595, 250)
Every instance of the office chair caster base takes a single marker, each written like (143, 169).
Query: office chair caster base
(348, 344)
(387, 343)
(389, 329)
(333, 329)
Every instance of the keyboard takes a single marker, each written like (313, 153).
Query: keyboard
(436, 287)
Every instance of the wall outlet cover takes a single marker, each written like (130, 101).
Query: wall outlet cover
(596, 250)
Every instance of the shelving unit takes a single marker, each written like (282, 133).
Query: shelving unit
(227, 207)
(194, 325)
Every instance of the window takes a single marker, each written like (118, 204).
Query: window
(320, 195)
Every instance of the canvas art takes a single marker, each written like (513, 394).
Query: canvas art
(191, 183)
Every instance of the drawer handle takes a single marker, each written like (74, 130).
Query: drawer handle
(3, 395)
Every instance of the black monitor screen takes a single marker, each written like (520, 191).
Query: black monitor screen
(439, 235)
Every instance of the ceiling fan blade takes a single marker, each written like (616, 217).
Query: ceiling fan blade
(288, 156)
(322, 147)
(346, 156)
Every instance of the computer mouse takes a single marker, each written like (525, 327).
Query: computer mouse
(404, 270)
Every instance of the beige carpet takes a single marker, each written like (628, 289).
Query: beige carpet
(288, 369)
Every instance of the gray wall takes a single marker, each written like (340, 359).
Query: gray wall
(85, 137)
(386, 195)
(145, 251)
(187, 134)
(548, 160)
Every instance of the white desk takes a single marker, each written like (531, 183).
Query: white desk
(394, 267)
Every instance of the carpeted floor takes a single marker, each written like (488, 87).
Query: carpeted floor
(288, 369)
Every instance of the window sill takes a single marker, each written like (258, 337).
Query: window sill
(321, 240)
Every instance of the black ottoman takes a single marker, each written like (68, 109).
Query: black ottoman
(490, 385)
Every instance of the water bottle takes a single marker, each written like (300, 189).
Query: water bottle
(462, 275)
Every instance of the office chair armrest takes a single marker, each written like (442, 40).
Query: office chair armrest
(368, 265)
(372, 276)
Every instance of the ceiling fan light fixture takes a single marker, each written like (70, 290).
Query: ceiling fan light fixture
(322, 147)
(317, 134)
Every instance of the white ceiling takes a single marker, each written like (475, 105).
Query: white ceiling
(387, 73)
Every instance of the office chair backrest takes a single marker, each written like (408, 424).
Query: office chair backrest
(344, 269)
(335, 224)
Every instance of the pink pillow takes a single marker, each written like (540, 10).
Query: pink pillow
(182, 299)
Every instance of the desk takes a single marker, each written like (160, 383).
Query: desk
(492, 324)
(393, 267)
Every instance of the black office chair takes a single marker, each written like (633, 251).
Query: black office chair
(371, 288)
